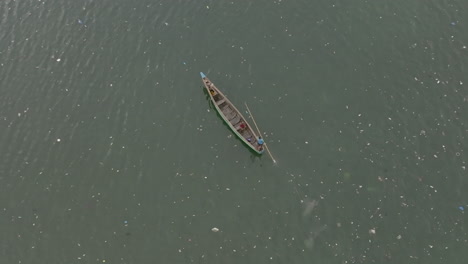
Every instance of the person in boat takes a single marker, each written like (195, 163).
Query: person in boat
(212, 92)
(242, 127)
(260, 143)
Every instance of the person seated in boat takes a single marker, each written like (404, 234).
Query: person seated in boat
(242, 127)
(212, 92)
(260, 143)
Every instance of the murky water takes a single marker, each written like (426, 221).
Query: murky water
(111, 152)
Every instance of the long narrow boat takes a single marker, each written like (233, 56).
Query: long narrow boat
(232, 116)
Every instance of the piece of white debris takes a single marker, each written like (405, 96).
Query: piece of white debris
(214, 229)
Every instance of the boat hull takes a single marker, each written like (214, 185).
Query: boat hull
(232, 116)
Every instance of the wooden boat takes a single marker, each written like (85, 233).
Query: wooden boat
(233, 117)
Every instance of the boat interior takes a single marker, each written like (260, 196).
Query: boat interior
(232, 115)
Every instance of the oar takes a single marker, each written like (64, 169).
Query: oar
(255, 123)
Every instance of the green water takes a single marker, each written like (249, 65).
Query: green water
(111, 153)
